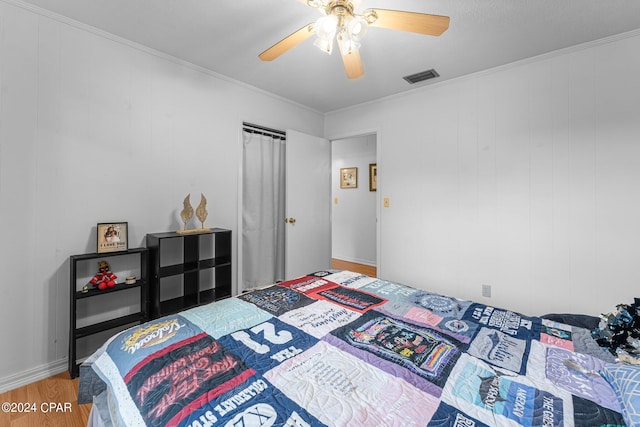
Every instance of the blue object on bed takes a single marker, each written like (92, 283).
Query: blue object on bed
(342, 349)
(625, 380)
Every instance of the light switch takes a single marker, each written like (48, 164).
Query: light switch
(335, 200)
(386, 202)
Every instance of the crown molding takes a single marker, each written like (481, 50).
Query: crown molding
(150, 51)
(494, 70)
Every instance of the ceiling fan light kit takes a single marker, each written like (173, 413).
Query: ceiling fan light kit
(340, 22)
(325, 28)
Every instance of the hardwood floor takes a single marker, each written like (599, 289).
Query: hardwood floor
(49, 402)
(339, 264)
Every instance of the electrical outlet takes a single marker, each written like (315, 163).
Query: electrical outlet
(486, 291)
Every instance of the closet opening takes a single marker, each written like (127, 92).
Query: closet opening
(263, 206)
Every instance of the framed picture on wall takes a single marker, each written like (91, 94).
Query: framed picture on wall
(373, 176)
(113, 237)
(349, 178)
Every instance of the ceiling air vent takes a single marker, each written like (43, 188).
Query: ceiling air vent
(421, 76)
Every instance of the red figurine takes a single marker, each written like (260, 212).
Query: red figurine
(105, 278)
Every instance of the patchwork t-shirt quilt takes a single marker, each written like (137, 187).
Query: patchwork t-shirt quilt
(337, 348)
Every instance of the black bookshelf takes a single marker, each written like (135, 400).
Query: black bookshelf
(76, 295)
(194, 292)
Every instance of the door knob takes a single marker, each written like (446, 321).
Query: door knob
(290, 220)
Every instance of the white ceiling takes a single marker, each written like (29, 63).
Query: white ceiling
(227, 36)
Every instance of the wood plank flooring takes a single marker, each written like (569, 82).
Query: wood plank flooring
(339, 264)
(55, 399)
(51, 402)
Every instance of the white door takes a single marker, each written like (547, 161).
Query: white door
(308, 205)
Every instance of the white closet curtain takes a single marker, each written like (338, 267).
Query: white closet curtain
(263, 209)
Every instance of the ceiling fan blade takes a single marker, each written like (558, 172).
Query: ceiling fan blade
(289, 42)
(353, 64)
(423, 23)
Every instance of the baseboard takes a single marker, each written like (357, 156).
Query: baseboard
(356, 260)
(32, 375)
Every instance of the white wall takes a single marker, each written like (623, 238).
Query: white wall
(95, 129)
(353, 218)
(525, 178)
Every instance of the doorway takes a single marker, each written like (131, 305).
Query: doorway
(263, 206)
(302, 222)
(354, 213)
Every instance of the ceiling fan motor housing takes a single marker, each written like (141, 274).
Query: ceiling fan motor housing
(339, 8)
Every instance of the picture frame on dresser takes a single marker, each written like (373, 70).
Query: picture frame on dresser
(112, 237)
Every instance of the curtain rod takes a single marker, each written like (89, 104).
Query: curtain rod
(261, 130)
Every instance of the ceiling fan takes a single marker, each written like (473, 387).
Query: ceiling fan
(342, 23)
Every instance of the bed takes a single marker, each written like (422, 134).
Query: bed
(342, 349)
